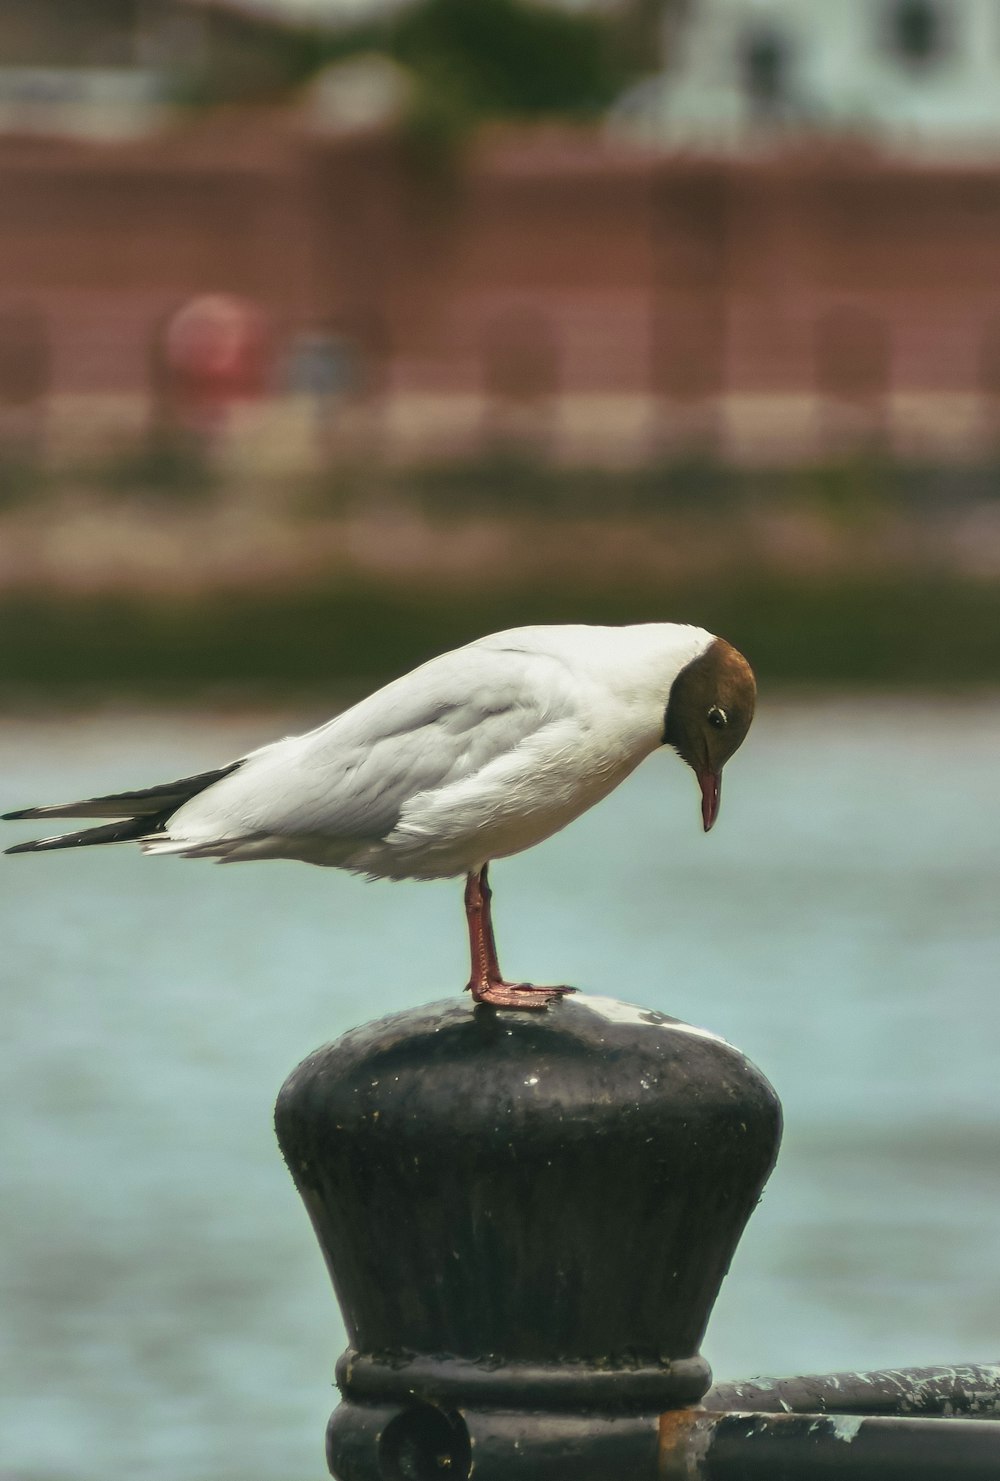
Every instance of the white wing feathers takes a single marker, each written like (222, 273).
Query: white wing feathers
(352, 778)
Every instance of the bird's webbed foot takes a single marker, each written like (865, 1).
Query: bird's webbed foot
(501, 994)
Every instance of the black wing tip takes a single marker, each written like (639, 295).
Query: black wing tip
(152, 802)
(42, 845)
(126, 830)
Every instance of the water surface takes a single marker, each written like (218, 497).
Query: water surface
(166, 1313)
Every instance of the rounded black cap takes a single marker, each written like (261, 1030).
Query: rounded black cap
(528, 1209)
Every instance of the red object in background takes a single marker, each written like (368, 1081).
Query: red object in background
(216, 351)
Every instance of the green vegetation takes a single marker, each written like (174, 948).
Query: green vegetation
(901, 634)
(491, 59)
(509, 57)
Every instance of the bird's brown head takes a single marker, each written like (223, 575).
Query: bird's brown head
(708, 714)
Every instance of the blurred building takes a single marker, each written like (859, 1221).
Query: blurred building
(92, 69)
(558, 288)
(111, 68)
(916, 74)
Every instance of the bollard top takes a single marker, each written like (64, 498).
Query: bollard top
(511, 1204)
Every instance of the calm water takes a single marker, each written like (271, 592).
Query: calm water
(165, 1312)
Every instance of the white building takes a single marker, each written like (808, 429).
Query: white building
(916, 74)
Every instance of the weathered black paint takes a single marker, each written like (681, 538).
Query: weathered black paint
(965, 1390)
(419, 1442)
(807, 1447)
(527, 1213)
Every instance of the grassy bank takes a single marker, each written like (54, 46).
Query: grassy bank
(903, 634)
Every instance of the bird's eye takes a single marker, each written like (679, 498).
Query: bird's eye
(718, 718)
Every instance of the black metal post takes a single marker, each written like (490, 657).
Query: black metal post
(527, 1218)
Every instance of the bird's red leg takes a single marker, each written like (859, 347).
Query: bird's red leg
(483, 952)
(486, 983)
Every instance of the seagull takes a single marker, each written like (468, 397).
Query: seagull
(475, 755)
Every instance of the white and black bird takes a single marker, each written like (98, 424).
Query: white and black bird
(477, 754)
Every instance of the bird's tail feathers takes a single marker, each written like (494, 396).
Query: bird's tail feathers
(167, 797)
(188, 848)
(223, 850)
(139, 815)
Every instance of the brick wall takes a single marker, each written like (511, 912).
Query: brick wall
(628, 273)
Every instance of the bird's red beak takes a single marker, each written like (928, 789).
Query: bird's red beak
(711, 793)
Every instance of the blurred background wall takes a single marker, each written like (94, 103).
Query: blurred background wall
(769, 228)
(780, 269)
(324, 299)
(809, 300)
